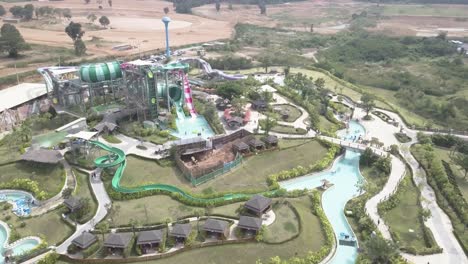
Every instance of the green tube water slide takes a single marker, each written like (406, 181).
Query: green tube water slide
(117, 157)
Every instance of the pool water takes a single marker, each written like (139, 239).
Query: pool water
(22, 201)
(353, 131)
(20, 248)
(344, 175)
(189, 127)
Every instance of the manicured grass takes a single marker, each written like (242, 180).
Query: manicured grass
(84, 191)
(288, 130)
(326, 125)
(286, 225)
(51, 124)
(252, 174)
(293, 112)
(405, 216)
(311, 239)
(50, 225)
(111, 139)
(49, 177)
(8, 154)
(142, 171)
(425, 10)
(286, 143)
(444, 154)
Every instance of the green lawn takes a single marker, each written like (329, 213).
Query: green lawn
(50, 225)
(252, 174)
(51, 124)
(311, 239)
(50, 178)
(286, 143)
(8, 154)
(288, 130)
(293, 112)
(326, 125)
(286, 225)
(111, 139)
(405, 216)
(84, 191)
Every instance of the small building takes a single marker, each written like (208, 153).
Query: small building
(47, 156)
(256, 144)
(250, 224)
(216, 228)
(258, 204)
(73, 204)
(149, 240)
(105, 127)
(116, 243)
(259, 105)
(235, 122)
(84, 240)
(271, 141)
(240, 147)
(181, 232)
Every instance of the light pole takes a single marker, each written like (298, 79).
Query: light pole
(166, 21)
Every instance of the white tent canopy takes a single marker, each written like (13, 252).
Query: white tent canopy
(83, 135)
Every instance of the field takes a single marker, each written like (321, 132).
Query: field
(311, 239)
(49, 225)
(284, 226)
(405, 216)
(50, 178)
(293, 112)
(252, 174)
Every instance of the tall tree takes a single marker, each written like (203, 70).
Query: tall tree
(166, 10)
(368, 103)
(17, 11)
(11, 40)
(75, 32)
(265, 61)
(462, 161)
(262, 6)
(270, 122)
(217, 5)
(380, 250)
(87, 1)
(2, 11)
(320, 83)
(110, 3)
(104, 21)
(91, 18)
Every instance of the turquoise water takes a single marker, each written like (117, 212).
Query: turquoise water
(344, 175)
(189, 127)
(352, 132)
(19, 249)
(20, 199)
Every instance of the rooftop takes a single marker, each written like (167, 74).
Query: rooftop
(84, 240)
(42, 156)
(181, 230)
(72, 203)
(118, 240)
(150, 236)
(258, 203)
(215, 225)
(20, 94)
(252, 223)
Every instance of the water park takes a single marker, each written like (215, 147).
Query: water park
(150, 160)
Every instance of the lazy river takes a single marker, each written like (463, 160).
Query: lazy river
(344, 175)
(22, 201)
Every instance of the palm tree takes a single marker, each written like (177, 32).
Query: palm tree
(133, 223)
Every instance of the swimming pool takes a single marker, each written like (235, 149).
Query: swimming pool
(344, 175)
(352, 132)
(190, 127)
(19, 247)
(22, 201)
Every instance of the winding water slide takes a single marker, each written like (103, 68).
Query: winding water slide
(117, 157)
(212, 72)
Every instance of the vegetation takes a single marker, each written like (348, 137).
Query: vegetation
(11, 40)
(84, 192)
(230, 63)
(402, 137)
(104, 21)
(75, 32)
(112, 139)
(285, 227)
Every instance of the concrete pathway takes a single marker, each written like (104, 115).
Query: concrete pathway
(103, 202)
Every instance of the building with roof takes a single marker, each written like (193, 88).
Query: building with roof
(271, 141)
(256, 144)
(42, 156)
(235, 122)
(72, 203)
(240, 147)
(149, 240)
(20, 101)
(117, 243)
(84, 240)
(181, 232)
(258, 204)
(105, 127)
(216, 228)
(250, 224)
(259, 105)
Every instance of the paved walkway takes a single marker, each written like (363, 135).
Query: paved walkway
(103, 202)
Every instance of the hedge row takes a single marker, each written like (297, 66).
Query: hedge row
(333, 151)
(25, 185)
